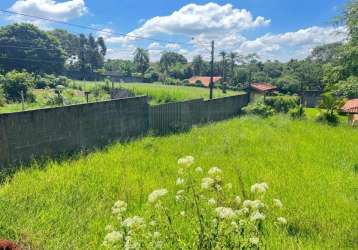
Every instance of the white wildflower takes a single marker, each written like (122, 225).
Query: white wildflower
(228, 186)
(281, 221)
(133, 222)
(254, 240)
(109, 228)
(186, 161)
(212, 202)
(218, 187)
(182, 213)
(257, 204)
(247, 203)
(113, 238)
(234, 225)
(180, 192)
(237, 200)
(215, 172)
(179, 181)
(259, 188)
(242, 211)
(178, 198)
(157, 194)
(277, 203)
(199, 170)
(257, 216)
(207, 183)
(225, 213)
(119, 207)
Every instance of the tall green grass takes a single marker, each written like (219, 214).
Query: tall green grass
(309, 166)
(159, 93)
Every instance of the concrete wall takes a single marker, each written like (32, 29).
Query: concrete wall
(49, 132)
(176, 116)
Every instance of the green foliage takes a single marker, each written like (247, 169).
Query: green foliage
(348, 88)
(282, 104)
(14, 83)
(34, 60)
(260, 109)
(297, 113)
(330, 104)
(198, 83)
(2, 96)
(141, 60)
(288, 83)
(122, 67)
(170, 59)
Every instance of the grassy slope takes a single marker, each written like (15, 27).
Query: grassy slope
(160, 93)
(308, 165)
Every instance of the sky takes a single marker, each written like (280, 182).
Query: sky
(273, 29)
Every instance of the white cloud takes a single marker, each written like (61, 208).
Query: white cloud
(62, 11)
(296, 44)
(172, 46)
(194, 20)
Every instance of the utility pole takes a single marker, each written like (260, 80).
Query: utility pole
(212, 70)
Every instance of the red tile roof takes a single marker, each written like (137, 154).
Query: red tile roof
(205, 80)
(263, 87)
(351, 106)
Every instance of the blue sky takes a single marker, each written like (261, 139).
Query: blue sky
(274, 29)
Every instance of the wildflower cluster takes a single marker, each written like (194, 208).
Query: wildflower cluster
(203, 212)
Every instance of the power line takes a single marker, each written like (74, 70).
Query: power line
(92, 28)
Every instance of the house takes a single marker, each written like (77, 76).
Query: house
(205, 80)
(258, 90)
(351, 109)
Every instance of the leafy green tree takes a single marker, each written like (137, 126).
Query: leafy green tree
(122, 67)
(199, 66)
(169, 59)
(223, 55)
(68, 41)
(24, 46)
(348, 88)
(233, 57)
(327, 53)
(15, 84)
(141, 60)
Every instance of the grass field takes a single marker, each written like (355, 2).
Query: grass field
(157, 93)
(310, 166)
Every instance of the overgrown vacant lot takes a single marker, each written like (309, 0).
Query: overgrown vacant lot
(311, 167)
(159, 93)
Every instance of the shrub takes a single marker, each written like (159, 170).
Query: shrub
(14, 83)
(297, 112)
(327, 117)
(260, 109)
(198, 83)
(2, 97)
(202, 212)
(282, 104)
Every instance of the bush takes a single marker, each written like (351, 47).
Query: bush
(2, 98)
(14, 83)
(297, 113)
(282, 104)
(327, 117)
(202, 212)
(198, 83)
(260, 109)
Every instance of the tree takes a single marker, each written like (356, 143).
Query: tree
(328, 53)
(141, 60)
(68, 41)
(24, 46)
(199, 66)
(223, 64)
(17, 85)
(233, 58)
(169, 59)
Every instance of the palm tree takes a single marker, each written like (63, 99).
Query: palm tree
(141, 60)
(223, 64)
(233, 58)
(198, 65)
